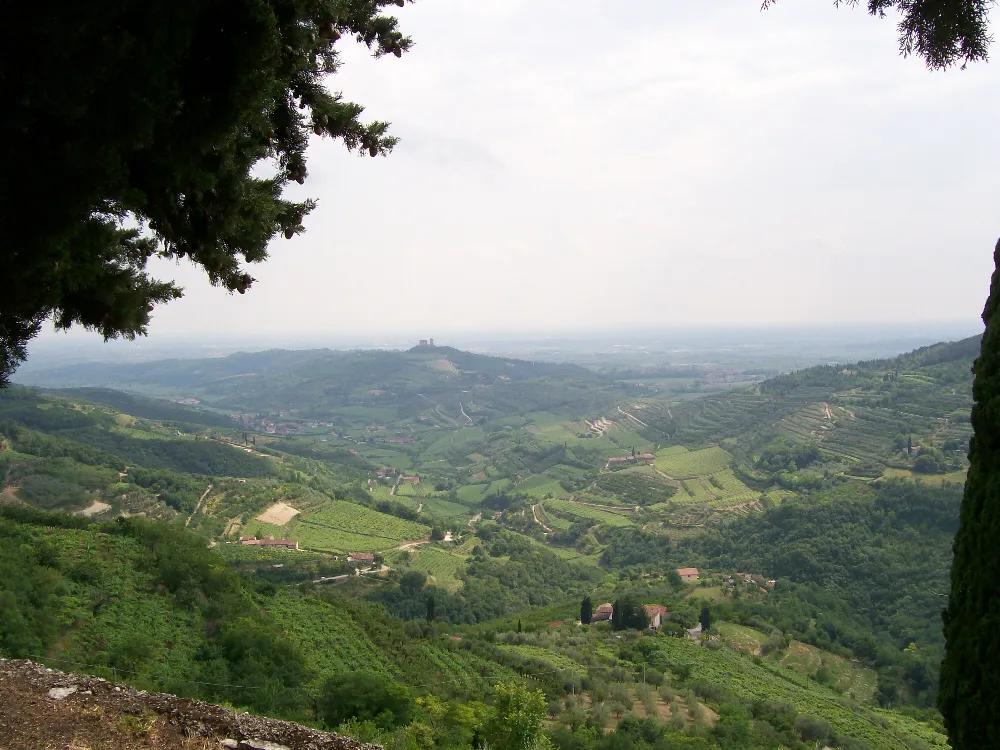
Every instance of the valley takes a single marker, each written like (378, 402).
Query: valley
(434, 518)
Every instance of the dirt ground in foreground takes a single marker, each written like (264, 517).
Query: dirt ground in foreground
(45, 709)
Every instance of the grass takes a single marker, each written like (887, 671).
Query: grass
(693, 490)
(473, 493)
(598, 515)
(771, 682)
(344, 527)
(441, 566)
(935, 480)
(711, 593)
(444, 508)
(853, 679)
(566, 553)
(541, 485)
(556, 659)
(747, 640)
(681, 463)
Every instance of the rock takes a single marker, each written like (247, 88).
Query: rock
(60, 693)
(231, 744)
(254, 744)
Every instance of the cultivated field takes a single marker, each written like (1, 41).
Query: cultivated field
(598, 515)
(441, 566)
(681, 463)
(344, 527)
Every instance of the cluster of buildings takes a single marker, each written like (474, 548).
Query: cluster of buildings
(657, 614)
(268, 541)
(751, 578)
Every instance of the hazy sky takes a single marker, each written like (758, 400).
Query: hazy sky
(581, 165)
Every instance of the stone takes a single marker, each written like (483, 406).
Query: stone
(61, 693)
(231, 744)
(255, 744)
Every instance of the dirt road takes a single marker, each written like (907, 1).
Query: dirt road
(633, 418)
(534, 512)
(411, 545)
(461, 408)
(198, 506)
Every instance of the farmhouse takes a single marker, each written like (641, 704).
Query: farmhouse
(688, 575)
(386, 471)
(657, 613)
(268, 541)
(365, 557)
(411, 480)
(603, 613)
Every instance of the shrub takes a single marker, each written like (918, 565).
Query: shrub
(812, 729)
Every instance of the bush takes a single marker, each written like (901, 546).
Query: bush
(364, 697)
(812, 729)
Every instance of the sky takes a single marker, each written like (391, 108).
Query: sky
(585, 166)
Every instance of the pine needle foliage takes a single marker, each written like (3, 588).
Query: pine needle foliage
(941, 32)
(140, 129)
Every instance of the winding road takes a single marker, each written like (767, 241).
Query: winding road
(534, 512)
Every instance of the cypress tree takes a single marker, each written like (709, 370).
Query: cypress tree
(970, 691)
(586, 611)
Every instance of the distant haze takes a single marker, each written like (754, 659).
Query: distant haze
(604, 165)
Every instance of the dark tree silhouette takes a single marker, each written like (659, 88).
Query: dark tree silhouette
(970, 693)
(586, 611)
(705, 619)
(138, 129)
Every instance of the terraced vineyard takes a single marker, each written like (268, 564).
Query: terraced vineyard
(344, 527)
(770, 682)
(680, 463)
(442, 566)
(546, 656)
(580, 510)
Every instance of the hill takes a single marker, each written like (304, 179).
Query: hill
(320, 384)
(840, 484)
(860, 413)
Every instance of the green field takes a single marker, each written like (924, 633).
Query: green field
(344, 527)
(441, 566)
(693, 490)
(445, 508)
(541, 486)
(770, 682)
(554, 658)
(852, 678)
(747, 640)
(681, 463)
(598, 515)
(473, 493)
